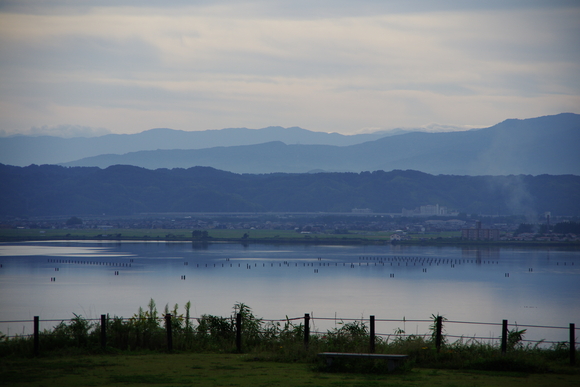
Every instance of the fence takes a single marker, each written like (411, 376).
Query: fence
(436, 331)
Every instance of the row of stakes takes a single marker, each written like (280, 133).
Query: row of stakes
(95, 263)
(380, 261)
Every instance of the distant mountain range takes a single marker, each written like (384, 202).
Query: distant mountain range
(543, 145)
(26, 150)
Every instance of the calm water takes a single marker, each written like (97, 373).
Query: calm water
(53, 280)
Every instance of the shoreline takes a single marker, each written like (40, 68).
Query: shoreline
(293, 241)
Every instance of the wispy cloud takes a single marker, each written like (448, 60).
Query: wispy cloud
(329, 66)
(68, 131)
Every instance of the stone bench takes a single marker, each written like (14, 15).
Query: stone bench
(393, 361)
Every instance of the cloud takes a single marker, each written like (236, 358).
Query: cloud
(329, 66)
(66, 131)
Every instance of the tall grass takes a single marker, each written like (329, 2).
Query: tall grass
(282, 341)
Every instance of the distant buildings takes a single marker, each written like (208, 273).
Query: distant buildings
(428, 210)
(396, 238)
(480, 234)
(440, 225)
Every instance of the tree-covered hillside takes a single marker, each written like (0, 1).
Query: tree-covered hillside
(125, 190)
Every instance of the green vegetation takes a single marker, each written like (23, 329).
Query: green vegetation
(252, 236)
(74, 349)
(96, 234)
(247, 236)
(567, 227)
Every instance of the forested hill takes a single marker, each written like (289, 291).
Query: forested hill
(124, 190)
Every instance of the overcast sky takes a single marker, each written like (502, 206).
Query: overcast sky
(335, 66)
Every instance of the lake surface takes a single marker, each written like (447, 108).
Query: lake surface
(53, 280)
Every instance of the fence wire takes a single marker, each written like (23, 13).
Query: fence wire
(337, 320)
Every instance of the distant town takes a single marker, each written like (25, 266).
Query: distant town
(433, 221)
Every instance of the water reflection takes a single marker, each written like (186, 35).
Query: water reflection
(481, 254)
(530, 286)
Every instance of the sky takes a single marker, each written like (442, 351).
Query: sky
(74, 67)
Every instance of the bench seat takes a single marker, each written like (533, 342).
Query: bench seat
(393, 361)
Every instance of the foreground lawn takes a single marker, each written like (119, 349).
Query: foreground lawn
(236, 370)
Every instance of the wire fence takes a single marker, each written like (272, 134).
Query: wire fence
(339, 320)
(226, 328)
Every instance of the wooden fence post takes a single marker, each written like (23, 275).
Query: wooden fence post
(504, 334)
(239, 332)
(438, 333)
(306, 329)
(36, 336)
(103, 331)
(572, 344)
(169, 332)
(372, 334)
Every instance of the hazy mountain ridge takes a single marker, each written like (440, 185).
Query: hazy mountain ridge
(543, 145)
(26, 150)
(124, 190)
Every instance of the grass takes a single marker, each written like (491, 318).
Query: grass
(182, 369)
(175, 234)
(46, 234)
(258, 236)
(185, 235)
